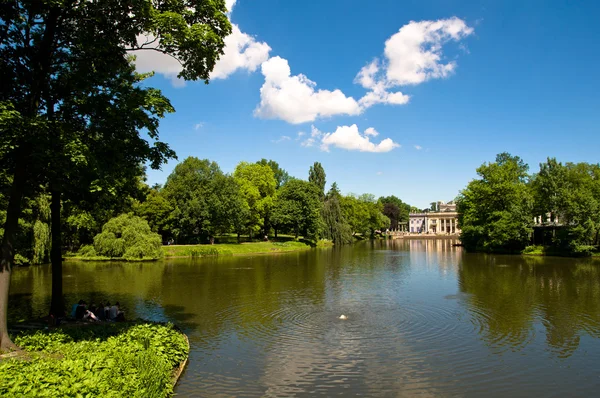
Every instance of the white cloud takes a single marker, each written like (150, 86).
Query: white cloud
(371, 132)
(229, 4)
(418, 147)
(295, 99)
(412, 56)
(154, 61)
(282, 139)
(198, 126)
(243, 52)
(380, 173)
(348, 137)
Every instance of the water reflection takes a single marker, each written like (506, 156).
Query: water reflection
(423, 318)
(510, 295)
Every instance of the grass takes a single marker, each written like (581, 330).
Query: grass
(105, 360)
(229, 249)
(582, 251)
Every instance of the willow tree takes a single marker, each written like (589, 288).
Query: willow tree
(56, 58)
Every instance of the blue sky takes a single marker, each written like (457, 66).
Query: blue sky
(393, 98)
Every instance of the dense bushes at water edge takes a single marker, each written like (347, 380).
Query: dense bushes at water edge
(107, 360)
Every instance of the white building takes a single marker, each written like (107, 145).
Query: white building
(442, 220)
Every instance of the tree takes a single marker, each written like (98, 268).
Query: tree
(495, 211)
(203, 200)
(156, 209)
(281, 176)
(50, 53)
(316, 175)
(298, 208)
(569, 197)
(257, 187)
(336, 228)
(128, 237)
(396, 210)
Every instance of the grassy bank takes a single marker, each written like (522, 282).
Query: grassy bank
(100, 360)
(583, 251)
(232, 249)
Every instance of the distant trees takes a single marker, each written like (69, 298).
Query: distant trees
(298, 208)
(336, 228)
(257, 188)
(316, 176)
(364, 214)
(396, 210)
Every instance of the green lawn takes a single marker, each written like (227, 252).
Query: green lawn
(228, 249)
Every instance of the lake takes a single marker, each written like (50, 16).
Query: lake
(423, 318)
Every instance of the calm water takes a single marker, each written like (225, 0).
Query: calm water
(423, 318)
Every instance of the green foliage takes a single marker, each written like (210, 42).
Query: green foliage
(364, 214)
(316, 176)
(196, 251)
(495, 211)
(205, 201)
(336, 228)
(298, 208)
(128, 237)
(110, 360)
(395, 209)
(281, 176)
(41, 242)
(568, 196)
(257, 188)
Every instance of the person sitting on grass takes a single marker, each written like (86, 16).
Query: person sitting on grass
(80, 310)
(74, 309)
(100, 314)
(107, 311)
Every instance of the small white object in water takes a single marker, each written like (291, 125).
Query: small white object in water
(343, 317)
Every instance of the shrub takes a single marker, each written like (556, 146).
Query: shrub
(113, 360)
(128, 237)
(87, 251)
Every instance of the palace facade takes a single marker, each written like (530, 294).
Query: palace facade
(442, 220)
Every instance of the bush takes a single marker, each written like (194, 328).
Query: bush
(87, 251)
(128, 237)
(113, 360)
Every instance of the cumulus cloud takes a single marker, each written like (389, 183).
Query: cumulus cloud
(295, 98)
(198, 126)
(229, 4)
(241, 52)
(418, 147)
(349, 138)
(412, 56)
(371, 132)
(380, 173)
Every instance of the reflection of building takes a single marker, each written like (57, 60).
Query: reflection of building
(442, 220)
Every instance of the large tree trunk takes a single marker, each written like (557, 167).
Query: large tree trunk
(57, 306)
(8, 251)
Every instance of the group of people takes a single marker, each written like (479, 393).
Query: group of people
(102, 312)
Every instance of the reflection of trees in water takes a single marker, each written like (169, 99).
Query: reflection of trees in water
(510, 293)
